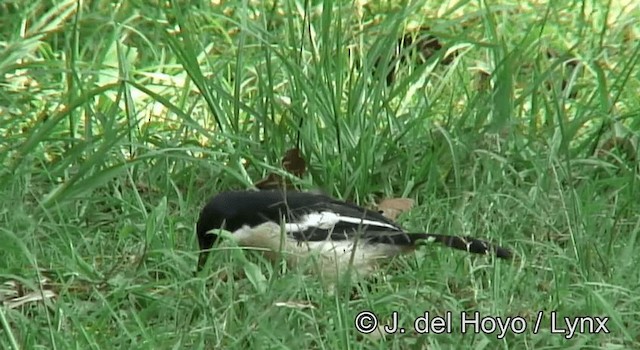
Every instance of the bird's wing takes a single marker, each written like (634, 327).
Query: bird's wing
(340, 221)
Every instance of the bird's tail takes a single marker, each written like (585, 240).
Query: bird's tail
(469, 244)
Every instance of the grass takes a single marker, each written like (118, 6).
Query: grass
(119, 119)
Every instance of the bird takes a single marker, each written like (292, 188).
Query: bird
(317, 231)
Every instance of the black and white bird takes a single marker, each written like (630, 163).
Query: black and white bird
(332, 234)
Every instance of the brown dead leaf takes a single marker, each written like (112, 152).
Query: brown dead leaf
(293, 162)
(623, 145)
(569, 64)
(29, 298)
(272, 182)
(392, 207)
(415, 46)
(14, 294)
(482, 79)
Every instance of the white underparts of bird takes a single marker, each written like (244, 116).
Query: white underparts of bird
(315, 231)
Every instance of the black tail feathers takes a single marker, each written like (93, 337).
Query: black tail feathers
(471, 245)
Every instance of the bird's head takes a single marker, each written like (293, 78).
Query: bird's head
(227, 211)
(207, 237)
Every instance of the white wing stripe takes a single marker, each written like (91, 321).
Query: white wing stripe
(326, 220)
(360, 221)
